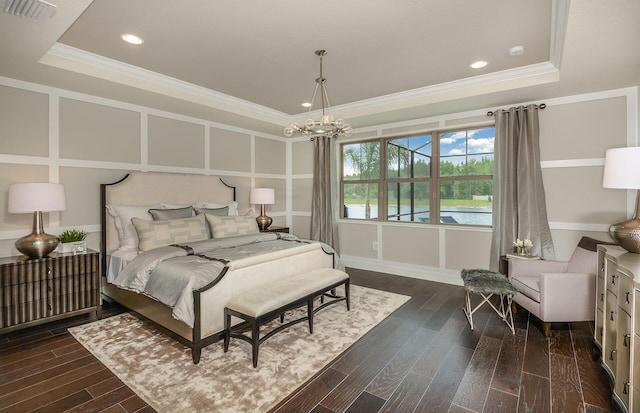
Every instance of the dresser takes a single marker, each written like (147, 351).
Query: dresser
(617, 322)
(36, 291)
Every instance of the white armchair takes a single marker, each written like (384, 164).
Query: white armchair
(558, 291)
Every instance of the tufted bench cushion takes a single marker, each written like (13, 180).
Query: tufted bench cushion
(273, 296)
(267, 302)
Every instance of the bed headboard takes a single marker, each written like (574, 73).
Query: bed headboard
(145, 188)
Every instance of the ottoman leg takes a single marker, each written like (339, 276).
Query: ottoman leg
(467, 310)
(255, 341)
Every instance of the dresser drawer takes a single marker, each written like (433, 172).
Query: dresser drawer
(625, 293)
(613, 281)
(636, 373)
(610, 334)
(623, 358)
(601, 293)
(636, 317)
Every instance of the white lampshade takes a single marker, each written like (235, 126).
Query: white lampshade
(622, 168)
(265, 196)
(31, 197)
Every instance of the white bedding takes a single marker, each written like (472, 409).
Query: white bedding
(171, 274)
(119, 259)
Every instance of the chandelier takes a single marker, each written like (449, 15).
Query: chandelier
(326, 125)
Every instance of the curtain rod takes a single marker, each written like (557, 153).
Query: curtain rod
(540, 106)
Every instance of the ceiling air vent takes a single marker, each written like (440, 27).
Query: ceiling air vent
(37, 10)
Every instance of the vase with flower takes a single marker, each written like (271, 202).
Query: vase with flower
(522, 245)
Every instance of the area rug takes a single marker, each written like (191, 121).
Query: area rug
(160, 370)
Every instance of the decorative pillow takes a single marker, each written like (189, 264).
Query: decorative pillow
(167, 214)
(221, 212)
(233, 206)
(155, 234)
(222, 227)
(122, 215)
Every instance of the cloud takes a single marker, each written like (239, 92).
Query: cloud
(456, 152)
(451, 138)
(481, 145)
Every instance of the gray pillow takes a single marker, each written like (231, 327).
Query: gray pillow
(169, 214)
(223, 212)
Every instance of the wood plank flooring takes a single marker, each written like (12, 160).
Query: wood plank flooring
(423, 358)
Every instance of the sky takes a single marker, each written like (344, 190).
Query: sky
(479, 141)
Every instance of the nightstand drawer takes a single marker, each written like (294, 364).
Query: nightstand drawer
(34, 291)
(277, 229)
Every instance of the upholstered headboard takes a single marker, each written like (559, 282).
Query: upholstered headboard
(145, 188)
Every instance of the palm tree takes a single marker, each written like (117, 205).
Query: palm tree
(365, 159)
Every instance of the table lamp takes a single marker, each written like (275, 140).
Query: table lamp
(262, 196)
(36, 198)
(622, 170)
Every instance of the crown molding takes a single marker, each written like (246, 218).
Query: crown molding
(81, 61)
(531, 75)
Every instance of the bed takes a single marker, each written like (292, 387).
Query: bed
(132, 259)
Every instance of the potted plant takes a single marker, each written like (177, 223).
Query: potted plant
(73, 240)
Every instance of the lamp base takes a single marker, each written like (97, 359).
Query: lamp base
(37, 245)
(263, 222)
(627, 234)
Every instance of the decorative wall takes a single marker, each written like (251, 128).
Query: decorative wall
(48, 134)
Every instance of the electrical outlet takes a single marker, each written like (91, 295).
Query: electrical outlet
(375, 245)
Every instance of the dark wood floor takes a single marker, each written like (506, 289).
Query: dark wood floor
(423, 358)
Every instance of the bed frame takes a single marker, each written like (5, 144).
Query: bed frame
(144, 188)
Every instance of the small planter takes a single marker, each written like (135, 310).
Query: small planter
(73, 240)
(77, 247)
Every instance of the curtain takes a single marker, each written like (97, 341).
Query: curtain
(324, 226)
(519, 205)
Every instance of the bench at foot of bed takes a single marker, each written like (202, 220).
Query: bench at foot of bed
(270, 301)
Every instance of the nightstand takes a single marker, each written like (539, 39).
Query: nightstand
(36, 291)
(277, 229)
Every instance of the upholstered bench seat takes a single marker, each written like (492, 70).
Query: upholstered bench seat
(487, 283)
(267, 302)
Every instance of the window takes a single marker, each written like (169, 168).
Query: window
(360, 179)
(444, 177)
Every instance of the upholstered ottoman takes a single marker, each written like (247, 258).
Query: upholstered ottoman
(487, 283)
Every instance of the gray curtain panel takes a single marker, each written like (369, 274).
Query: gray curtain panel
(324, 226)
(519, 204)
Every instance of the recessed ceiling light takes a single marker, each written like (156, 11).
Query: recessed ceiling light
(306, 105)
(131, 38)
(478, 64)
(516, 51)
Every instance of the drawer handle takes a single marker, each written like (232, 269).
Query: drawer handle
(626, 300)
(611, 318)
(613, 279)
(49, 271)
(602, 297)
(624, 341)
(600, 331)
(625, 388)
(611, 355)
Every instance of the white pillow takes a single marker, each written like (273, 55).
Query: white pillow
(122, 215)
(156, 234)
(231, 226)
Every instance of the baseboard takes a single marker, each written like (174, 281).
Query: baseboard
(403, 269)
